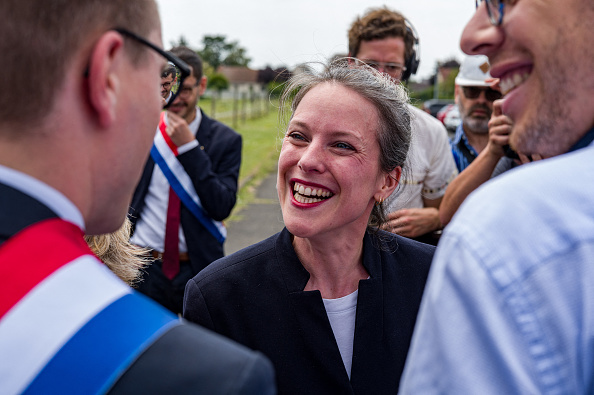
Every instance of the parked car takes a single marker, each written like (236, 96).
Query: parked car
(451, 119)
(433, 106)
(444, 110)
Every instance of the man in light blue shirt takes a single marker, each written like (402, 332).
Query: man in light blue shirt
(509, 306)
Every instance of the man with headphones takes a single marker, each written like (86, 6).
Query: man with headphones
(386, 41)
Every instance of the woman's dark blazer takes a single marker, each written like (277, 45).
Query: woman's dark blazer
(256, 297)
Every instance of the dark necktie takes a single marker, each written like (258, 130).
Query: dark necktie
(171, 253)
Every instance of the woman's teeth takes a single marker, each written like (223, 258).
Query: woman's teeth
(307, 195)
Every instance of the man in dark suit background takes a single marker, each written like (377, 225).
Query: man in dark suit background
(206, 163)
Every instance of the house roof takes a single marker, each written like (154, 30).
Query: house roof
(238, 74)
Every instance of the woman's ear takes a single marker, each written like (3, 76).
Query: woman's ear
(104, 81)
(390, 182)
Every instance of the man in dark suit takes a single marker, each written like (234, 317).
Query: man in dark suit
(73, 141)
(201, 157)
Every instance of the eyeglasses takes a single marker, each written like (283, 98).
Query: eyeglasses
(473, 92)
(187, 90)
(394, 69)
(182, 70)
(494, 9)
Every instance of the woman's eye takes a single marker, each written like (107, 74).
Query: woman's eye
(295, 135)
(344, 146)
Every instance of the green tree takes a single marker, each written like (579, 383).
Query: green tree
(447, 87)
(218, 82)
(181, 41)
(217, 51)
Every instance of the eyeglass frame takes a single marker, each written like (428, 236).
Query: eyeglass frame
(177, 62)
(492, 10)
(374, 64)
(488, 91)
(189, 89)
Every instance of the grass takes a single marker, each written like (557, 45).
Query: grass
(259, 155)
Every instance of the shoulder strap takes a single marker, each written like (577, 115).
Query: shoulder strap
(45, 246)
(99, 345)
(164, 154)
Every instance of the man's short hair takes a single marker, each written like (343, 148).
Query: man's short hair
(40, 39)
(190, 57)
(167, 71)
(377, 24)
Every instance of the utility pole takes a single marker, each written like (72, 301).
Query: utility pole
(436, 82)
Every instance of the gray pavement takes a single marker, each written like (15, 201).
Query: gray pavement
(258, 220)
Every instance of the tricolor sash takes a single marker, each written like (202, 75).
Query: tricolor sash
(164, 153)
(67, 324)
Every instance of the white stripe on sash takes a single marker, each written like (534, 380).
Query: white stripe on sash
(180, 174)
(44, 320)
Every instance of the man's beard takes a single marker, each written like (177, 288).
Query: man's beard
(476, 125)
(550, 128)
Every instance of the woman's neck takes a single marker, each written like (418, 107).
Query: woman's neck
(335, 266)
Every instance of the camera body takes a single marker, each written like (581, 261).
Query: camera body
(510, 153)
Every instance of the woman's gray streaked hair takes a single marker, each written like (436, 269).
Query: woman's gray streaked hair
(389, 98)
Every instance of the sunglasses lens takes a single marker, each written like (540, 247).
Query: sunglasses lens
(472, 92)
(493, 95)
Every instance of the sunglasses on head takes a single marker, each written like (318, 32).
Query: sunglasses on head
(473, 92)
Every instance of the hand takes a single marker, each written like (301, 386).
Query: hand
(500, 127)
(526, 159)
(413, 222)
(178, 129)
(493, 83)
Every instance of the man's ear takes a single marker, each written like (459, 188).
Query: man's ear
(103, 81)
(350, 59)
(390, 182)
(202, 85)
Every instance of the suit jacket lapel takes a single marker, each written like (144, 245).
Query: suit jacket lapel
(204, 133)
(137, 204)
(369, 326)
(314, 327)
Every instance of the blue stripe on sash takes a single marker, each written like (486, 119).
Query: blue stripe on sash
(99, 353)
(185, 198)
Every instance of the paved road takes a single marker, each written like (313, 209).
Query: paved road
(258, 220)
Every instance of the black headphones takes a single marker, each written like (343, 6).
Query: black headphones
(412, 62)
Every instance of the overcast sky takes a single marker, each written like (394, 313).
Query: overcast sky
(289, 32)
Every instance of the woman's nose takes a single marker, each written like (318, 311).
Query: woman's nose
(312, 159)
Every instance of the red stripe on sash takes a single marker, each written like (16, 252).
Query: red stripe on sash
(163, 129)
(33, 254)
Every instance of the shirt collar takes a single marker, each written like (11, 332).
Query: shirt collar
(459, 134)
(195, 124)
(45, 194)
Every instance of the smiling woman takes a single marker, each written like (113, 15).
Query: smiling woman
(331, 299)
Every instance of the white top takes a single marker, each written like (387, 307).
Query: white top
(342, 313)
(150, 228)
(430, 164)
